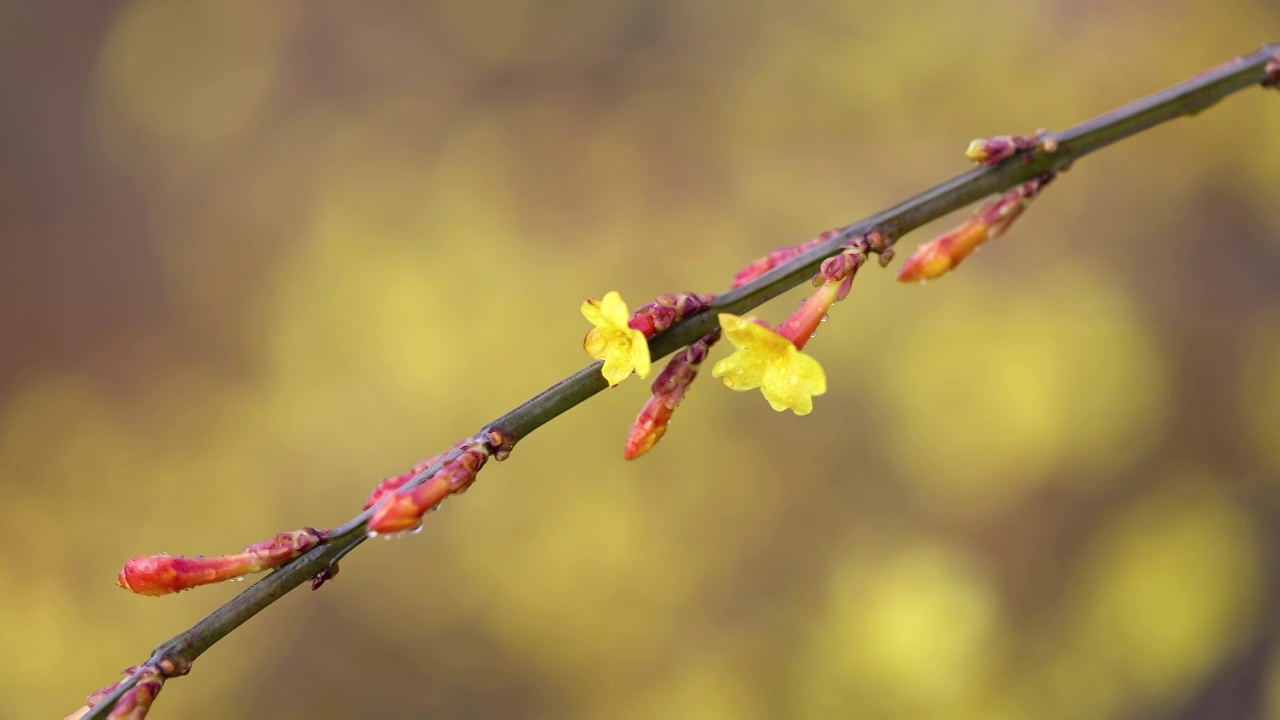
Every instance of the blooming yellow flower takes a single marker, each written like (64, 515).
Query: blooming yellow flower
(621, 347)
(764, 359)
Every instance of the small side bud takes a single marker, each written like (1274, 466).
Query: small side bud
(840, 269)
(164, 574)
(501, 443)
(667, 309)
(1273, 73)
(886, 256)
(991, 151)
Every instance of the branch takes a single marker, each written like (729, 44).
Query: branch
(1053, 153)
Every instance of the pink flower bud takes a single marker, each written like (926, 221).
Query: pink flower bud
(164, 574)
(780, 256)
(668, 390)
(403, 510)
(946, 251)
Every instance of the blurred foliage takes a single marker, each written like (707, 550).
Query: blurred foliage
(256, 255)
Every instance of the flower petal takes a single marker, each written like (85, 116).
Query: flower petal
(743, 370)
(614, 310)
(736, 329)
(795, 403)
(591, 311)
(640, 353)
(617, 367)
(794, 384)
(596, 343)
(813, 379)
(747, 333)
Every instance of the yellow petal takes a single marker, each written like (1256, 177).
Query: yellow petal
(740, 371)
(614, 310)
(794, 384)
(617, 367)
(747, 333)
(813, 379)
(787, 403)
(596, 344)
(640, 353)
(735, 329)
(591, 311)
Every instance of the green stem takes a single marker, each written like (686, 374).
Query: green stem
(1186, 98)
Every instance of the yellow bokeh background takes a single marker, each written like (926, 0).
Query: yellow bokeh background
(255, 256)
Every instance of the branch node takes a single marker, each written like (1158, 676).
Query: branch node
(171, 667)
(501, 442)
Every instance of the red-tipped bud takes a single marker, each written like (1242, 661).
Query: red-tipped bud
(387, 487)
(404, 509)
(990, 151)
(945, 252)
(395, 482)
(780, 256)
(649, 427)
(668, 390)
(666, 310)
(164, 574)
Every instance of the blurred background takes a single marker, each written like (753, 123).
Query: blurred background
(255, 256)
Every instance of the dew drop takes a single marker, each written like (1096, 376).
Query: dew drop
(238, 579)
(813, 335)
(372, 534)
(416, 529)
(924, 282)
(794, 380)
(825, 317)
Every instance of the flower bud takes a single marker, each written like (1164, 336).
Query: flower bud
(164, 574)
(946, 251)
(668, 390)
(780, 256)
(404, 509)
(992, 151)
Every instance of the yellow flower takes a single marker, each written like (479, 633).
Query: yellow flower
(764, 359)
(621, 347)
